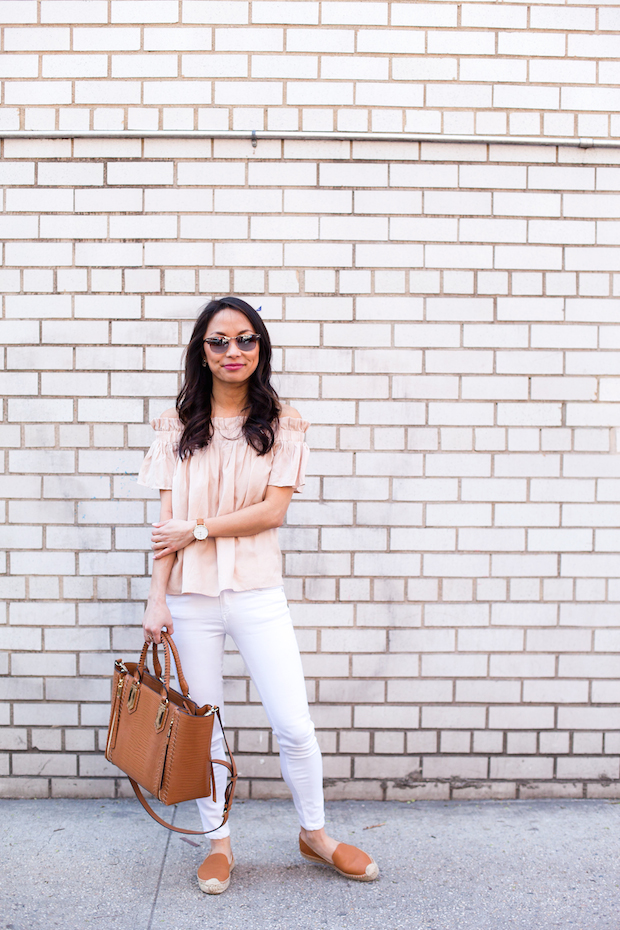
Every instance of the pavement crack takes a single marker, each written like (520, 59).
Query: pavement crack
(161, 873)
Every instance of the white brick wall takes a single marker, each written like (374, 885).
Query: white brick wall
(517, 68)
(458, 402)
(443, 314)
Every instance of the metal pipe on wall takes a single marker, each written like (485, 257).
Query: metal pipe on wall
(257, 135)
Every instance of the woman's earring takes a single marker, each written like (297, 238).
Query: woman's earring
(204, 362)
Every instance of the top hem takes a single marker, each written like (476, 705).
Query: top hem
(235, 590)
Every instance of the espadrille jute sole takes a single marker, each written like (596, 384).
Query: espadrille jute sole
(213, 885)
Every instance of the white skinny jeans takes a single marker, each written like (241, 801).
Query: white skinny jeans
(260, 623)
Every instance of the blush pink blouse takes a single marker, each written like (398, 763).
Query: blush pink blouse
(222, 478)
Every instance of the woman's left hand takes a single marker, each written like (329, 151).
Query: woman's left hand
(170, 536)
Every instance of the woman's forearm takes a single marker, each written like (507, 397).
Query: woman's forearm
(157, 614)
(248, 521)
(160, 577)
(162, 566)
(171, 535)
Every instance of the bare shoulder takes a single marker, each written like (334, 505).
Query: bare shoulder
(288, 412)
(171, 414)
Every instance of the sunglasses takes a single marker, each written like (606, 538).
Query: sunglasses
(219, 344)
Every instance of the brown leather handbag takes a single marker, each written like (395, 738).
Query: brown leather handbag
(161, 739)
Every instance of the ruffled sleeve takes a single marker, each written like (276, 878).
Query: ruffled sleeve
(290, 454)
(159, 463)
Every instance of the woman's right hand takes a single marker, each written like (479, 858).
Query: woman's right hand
(157, 617)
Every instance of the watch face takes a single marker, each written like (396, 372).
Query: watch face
(200, 531)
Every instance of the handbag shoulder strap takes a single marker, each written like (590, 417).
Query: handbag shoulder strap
(228, 797)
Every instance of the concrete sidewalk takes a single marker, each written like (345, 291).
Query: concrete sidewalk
(461, 865)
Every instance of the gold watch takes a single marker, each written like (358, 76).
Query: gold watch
(200, 530)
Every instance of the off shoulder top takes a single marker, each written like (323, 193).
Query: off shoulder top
(224, 477)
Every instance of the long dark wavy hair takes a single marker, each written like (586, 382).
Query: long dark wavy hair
(194, 400)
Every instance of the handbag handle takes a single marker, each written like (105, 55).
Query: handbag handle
(228, 796)
(166, 640)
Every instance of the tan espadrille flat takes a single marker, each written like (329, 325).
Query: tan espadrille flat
(214, 873)
(347, 860)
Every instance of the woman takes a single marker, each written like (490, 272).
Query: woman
(227, 461)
